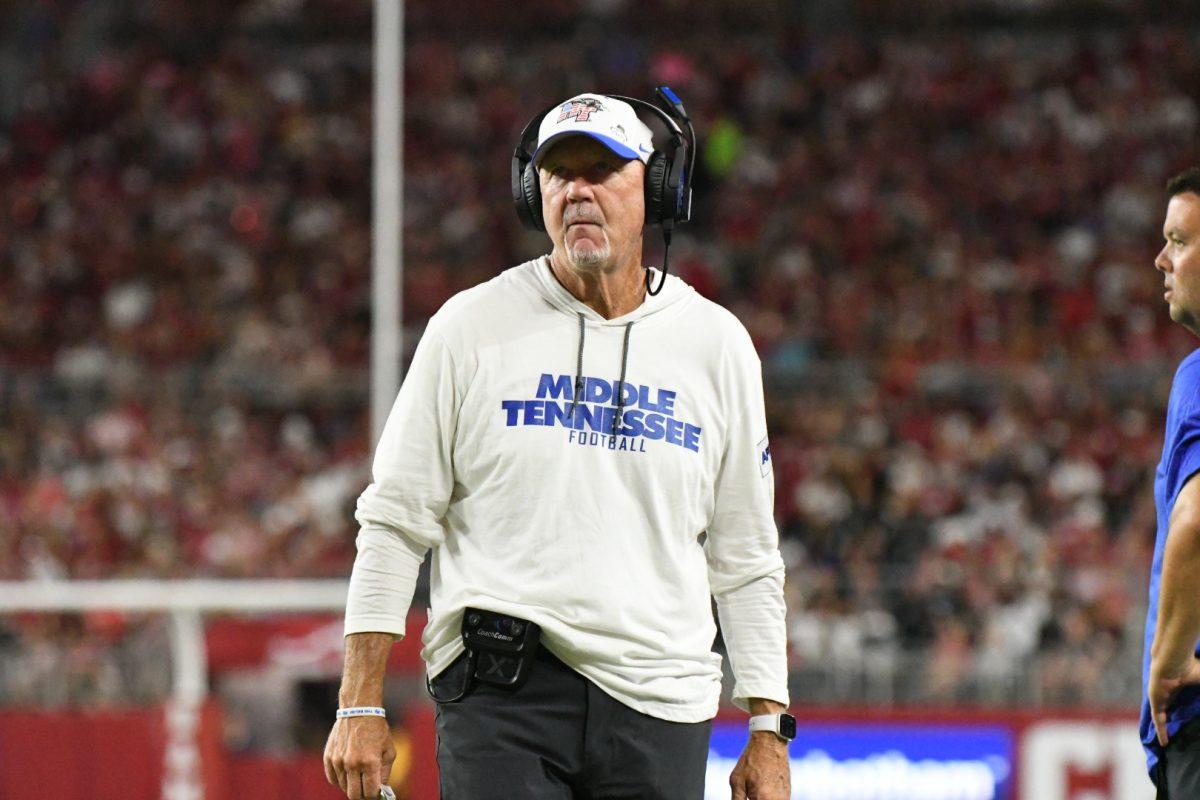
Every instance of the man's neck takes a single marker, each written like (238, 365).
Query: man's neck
(610, 293)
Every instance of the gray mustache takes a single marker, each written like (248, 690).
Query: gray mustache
(570, 219)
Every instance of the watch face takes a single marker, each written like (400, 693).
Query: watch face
(787, 726)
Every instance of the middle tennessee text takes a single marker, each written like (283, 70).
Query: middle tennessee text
(642, 415)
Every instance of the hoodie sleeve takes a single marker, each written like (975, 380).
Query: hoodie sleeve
(742, 547)
(400, 513)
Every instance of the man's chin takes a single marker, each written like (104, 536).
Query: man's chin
(581, 239)
(587, 255)
(1185, 318)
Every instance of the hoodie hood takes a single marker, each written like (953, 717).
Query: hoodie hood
(538, 275)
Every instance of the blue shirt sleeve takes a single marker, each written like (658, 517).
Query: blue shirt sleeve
(1183, 430)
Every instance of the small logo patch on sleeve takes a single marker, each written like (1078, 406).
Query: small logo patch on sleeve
(764, 456)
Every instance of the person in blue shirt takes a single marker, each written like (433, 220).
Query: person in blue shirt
(1170, 723)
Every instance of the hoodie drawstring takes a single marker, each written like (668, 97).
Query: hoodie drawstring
(578, 370)
(620, 381)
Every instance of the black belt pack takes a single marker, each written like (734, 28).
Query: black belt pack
(500, 652)
(501, 646)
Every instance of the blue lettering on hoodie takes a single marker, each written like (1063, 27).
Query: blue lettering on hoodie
(648, 413)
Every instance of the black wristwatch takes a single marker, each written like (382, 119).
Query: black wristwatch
(782, 725)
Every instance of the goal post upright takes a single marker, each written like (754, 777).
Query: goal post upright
(387, 211)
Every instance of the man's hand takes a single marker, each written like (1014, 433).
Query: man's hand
(763, 772)
(359, 756)
(1165, 681)
(359, 753)
(1173, 662)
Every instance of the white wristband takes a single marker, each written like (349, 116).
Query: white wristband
(361, 711)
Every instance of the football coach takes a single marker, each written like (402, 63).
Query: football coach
(581, 442)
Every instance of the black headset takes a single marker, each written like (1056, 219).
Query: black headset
(668, 183)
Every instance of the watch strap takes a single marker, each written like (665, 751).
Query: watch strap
(765, 722)
(772, 723)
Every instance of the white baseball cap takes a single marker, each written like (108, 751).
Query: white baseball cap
(610, 121)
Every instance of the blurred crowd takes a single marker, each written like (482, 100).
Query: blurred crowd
(941, 244)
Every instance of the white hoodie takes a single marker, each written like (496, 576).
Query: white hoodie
(612, 544)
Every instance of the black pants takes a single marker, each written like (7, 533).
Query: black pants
(558, 737)
(1178, 768)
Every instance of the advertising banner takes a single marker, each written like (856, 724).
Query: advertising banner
(897, 761)
(952, 755)
(837, 755)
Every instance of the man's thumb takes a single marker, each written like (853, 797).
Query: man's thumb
(737, 782)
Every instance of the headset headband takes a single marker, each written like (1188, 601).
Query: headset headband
(667, 183)
(672, 109)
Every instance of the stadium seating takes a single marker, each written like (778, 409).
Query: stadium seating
(942, 249)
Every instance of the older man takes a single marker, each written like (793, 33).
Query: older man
(588, 462)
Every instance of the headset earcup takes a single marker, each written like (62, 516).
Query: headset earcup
(658, 205)
(533, 196)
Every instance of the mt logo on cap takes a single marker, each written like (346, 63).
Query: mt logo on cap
(608, 120)
(579, 109)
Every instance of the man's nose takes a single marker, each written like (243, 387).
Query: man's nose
(1161, 261)
(579, 188)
